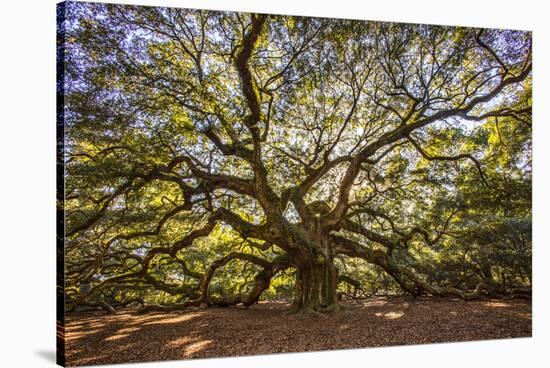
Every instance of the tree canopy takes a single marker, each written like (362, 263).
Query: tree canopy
(218, 158)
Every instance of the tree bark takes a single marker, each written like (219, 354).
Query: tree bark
(317, 277)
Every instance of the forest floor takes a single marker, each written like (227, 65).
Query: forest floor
(96, 338)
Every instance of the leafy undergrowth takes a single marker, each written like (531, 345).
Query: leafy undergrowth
(95, 338)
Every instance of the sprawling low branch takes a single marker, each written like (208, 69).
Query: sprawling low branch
(261, 283)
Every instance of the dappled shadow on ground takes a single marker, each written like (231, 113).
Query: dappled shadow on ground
(94, 338)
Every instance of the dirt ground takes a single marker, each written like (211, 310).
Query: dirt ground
(96, 338)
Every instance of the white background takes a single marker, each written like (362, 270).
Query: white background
(27, 180)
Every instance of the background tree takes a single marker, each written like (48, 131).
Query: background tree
(216, 157)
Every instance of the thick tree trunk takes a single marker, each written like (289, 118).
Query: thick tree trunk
(316, 281)
(315, 288)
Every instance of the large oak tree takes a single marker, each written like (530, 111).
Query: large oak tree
(289, 145)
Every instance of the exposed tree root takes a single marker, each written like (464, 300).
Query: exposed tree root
(305, 312)
(334, 308)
